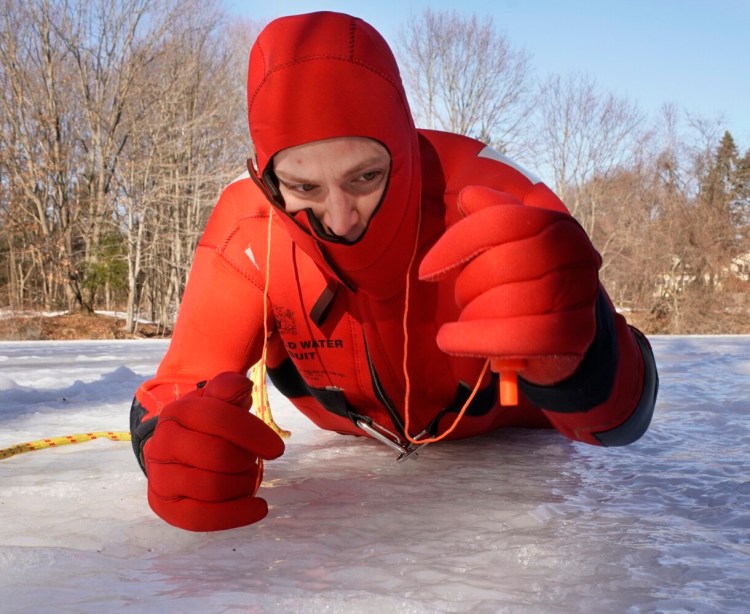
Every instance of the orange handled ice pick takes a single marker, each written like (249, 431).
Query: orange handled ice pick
(508, 370)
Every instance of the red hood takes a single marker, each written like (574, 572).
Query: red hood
(326, 75)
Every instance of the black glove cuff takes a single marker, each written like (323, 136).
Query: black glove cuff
(140, 432)
(592, 382)
(637, 424)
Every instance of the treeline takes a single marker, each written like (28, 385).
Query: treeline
(122, 120)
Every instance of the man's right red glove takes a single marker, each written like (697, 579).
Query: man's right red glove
(203, 460)
(527, 287)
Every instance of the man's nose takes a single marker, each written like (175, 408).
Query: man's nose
(341, 213)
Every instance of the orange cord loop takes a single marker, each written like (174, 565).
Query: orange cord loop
(407, 391)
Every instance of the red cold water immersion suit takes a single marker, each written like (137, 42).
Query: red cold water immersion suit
(335, 309)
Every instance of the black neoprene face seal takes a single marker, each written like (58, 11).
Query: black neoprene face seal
(272, 185)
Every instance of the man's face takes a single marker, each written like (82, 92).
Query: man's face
(340, 180)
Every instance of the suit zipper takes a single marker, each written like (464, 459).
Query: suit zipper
(381, 395)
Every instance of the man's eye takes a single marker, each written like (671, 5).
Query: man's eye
(302, 187)
(369, 176)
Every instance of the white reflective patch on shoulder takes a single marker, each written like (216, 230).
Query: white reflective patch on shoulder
(249, 253)
(493, 154)
(245, 175)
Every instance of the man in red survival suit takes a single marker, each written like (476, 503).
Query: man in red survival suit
(380, 270)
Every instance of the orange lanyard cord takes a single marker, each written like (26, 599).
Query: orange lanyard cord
(407, 393)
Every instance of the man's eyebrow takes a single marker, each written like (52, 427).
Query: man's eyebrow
(371, 161)
(288, 178)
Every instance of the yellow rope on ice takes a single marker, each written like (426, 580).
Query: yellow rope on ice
(64, 440)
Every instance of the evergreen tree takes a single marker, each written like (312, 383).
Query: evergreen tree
(717, 184)
(740, 198)
(716, 196)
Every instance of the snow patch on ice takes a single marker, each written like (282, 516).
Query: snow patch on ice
(7, 384)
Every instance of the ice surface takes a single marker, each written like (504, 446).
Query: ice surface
(518, 521)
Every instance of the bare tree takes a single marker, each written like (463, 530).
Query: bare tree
(584, 134)
(41, 144)
(190, 139)
(463, 76)
(111, 44)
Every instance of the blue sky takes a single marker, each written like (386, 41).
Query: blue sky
(689, 52)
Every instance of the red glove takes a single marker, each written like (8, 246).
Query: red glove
(202, 461)
(527, 287)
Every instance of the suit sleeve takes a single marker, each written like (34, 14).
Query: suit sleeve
(219, 327)
(220, 322)
(610, 399)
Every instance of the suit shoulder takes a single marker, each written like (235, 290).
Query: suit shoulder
(244, 198)
(456, 161)
(241, 202)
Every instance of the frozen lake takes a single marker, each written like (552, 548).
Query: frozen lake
(519, 521)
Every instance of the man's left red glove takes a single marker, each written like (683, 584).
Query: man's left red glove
(203, 461)
(527, 286)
